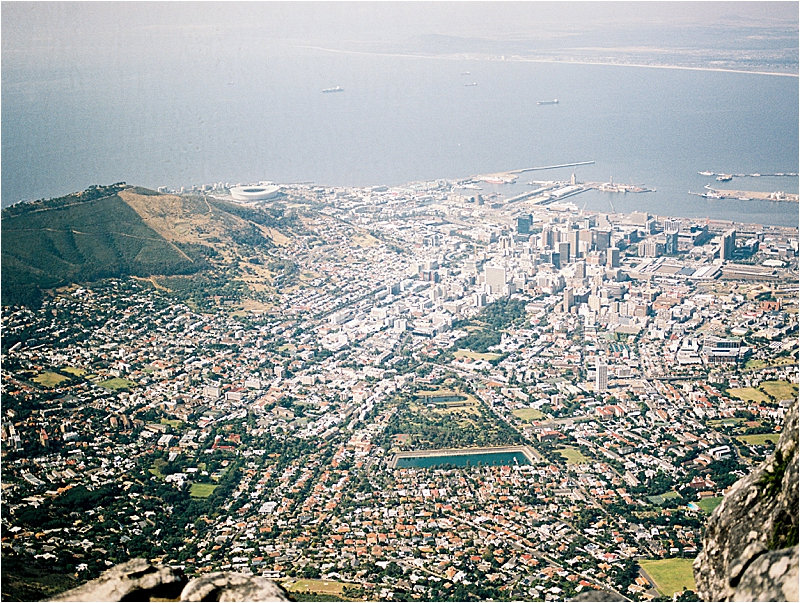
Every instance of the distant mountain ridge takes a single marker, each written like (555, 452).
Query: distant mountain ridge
(119, 230)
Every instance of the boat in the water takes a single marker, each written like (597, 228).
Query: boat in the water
(472, 84)
(548, 102)
(706, 173)
(336, 89)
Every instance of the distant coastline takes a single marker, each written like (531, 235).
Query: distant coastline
(521, 59)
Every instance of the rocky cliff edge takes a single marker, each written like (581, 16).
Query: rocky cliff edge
(750, 548)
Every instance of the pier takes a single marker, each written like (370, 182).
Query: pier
(511, 175)
(713, 193)
(728, 176)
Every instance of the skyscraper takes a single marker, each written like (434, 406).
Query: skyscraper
(727, 245)
(495, 278)
(671, 230)
(569, 298)
(601, 377)
(524, 224)
(612, 257)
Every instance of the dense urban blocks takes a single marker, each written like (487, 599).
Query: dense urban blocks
(245, 418)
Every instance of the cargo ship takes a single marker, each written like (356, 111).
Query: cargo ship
(548, 102)
(337, 89)
(472, 84)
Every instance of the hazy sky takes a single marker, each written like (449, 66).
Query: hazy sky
(54, 31)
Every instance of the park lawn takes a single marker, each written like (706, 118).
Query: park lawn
(117, 383)
(748, 393)
(755, 363)
(670, 575)
(573, 456)
(175, 423)
(364, 240)
(727, 421)
(780, 390)
(528, 414)
(201, 490)
(471, 409)
(709, 504)
(73, 370)
(660, 499)
(488, 356)
(329, 587)
(759, 439)
(49, 379)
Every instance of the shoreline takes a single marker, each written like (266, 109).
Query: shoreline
(520, 59)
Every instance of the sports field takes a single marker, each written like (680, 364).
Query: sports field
(73, 370)
(117, 383)
(780, 390)
(201, 490)
(748, 394)
(758, 438)
(670, 575)
(709, 504)
(329, 587)
(573, 456)
(528, 414)
(49, 379)
(488, 356)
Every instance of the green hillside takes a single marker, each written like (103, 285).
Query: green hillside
(81, 237)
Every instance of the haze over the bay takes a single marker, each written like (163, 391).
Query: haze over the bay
(185, 93)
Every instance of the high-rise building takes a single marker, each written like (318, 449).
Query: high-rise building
(546, 240)
(612, 257)
(602, 239)
(727, 245)
(524, 223)
(672, 229)
(672, 226)
(569, 298)
(649, 249)
(563, 251)
(601, 376)
(495, 278)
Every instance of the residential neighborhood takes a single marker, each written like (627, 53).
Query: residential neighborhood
(643, 363)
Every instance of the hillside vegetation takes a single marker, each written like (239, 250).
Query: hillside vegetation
(81, 237)
(118, 230)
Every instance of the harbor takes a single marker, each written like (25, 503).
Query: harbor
(713, 193)
(722, 177)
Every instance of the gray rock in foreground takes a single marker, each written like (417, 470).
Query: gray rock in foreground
(750, 548)
(230, 586)
(138, 580)
(134, 580)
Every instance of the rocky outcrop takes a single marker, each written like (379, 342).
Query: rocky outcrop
(229, 586)
(139, 580)
(750, 548)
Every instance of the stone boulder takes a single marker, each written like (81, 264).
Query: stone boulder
(134, 580)
(750, 548)
(230, 586)
(139, 580)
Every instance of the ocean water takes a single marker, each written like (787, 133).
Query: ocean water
(240, 116)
